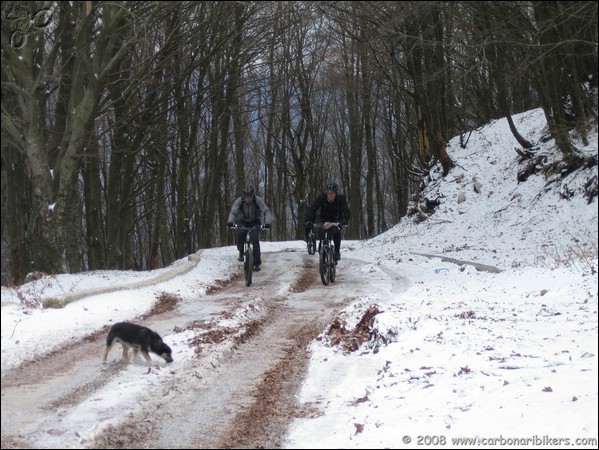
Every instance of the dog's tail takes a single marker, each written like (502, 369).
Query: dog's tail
(110, 338)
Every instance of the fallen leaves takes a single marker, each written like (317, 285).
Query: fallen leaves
(351, 340)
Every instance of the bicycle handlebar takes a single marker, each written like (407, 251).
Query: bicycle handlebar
(327, 225)
(241, 227)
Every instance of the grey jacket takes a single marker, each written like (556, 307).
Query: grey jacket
(250, 215)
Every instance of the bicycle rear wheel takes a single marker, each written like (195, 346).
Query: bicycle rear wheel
(325, 274)
(248, 265)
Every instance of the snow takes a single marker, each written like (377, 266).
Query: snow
(506, 358)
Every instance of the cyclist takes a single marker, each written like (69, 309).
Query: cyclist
(329, 206)
(248, 211)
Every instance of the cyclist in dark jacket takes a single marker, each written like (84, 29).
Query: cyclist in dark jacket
(248, 211)
(330, 206)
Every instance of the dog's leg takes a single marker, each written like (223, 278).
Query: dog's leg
(133, 358)
(106, 350)
(147, 357)
(125, 351)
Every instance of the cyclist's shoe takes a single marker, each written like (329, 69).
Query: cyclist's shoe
(337, 257)
(240, 257)
(256, 268)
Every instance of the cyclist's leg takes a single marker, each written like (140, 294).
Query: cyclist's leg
(255, 237)
(337, 241)
(319, 232)
(240, 242)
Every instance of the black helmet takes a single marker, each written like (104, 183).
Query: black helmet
(331, 186)
(248, 191)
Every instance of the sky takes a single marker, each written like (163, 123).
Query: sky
(486, 331)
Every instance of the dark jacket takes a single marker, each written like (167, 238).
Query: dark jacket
(324, 211)
(250, 215)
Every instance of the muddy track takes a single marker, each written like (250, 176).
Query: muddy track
(236, 390)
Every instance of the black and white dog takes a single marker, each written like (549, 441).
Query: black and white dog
(139, 339)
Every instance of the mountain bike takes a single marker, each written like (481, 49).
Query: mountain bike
(248, 252)
(326, 249)
(311, 241)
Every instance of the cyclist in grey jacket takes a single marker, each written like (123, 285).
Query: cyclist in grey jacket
(248, 211)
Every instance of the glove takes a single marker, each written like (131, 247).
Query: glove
(230, 224)
(308, 224)
(267, 226)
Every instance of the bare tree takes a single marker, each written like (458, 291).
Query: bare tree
(561, 26)
(129, 127)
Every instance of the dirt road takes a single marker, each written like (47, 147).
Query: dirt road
(237, 390)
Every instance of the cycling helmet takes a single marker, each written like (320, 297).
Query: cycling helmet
(331, 186)
(248, 191)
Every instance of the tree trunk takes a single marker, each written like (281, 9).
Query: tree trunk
(521, 140)
(367, 119)
(119, 187)
(93, 210)
(549, 79)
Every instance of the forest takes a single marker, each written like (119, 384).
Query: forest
(129, 128)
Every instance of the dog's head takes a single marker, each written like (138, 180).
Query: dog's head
(165, 352)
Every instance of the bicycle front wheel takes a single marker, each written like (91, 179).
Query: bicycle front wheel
(332, 264)
(325, 274)
(248, 265)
